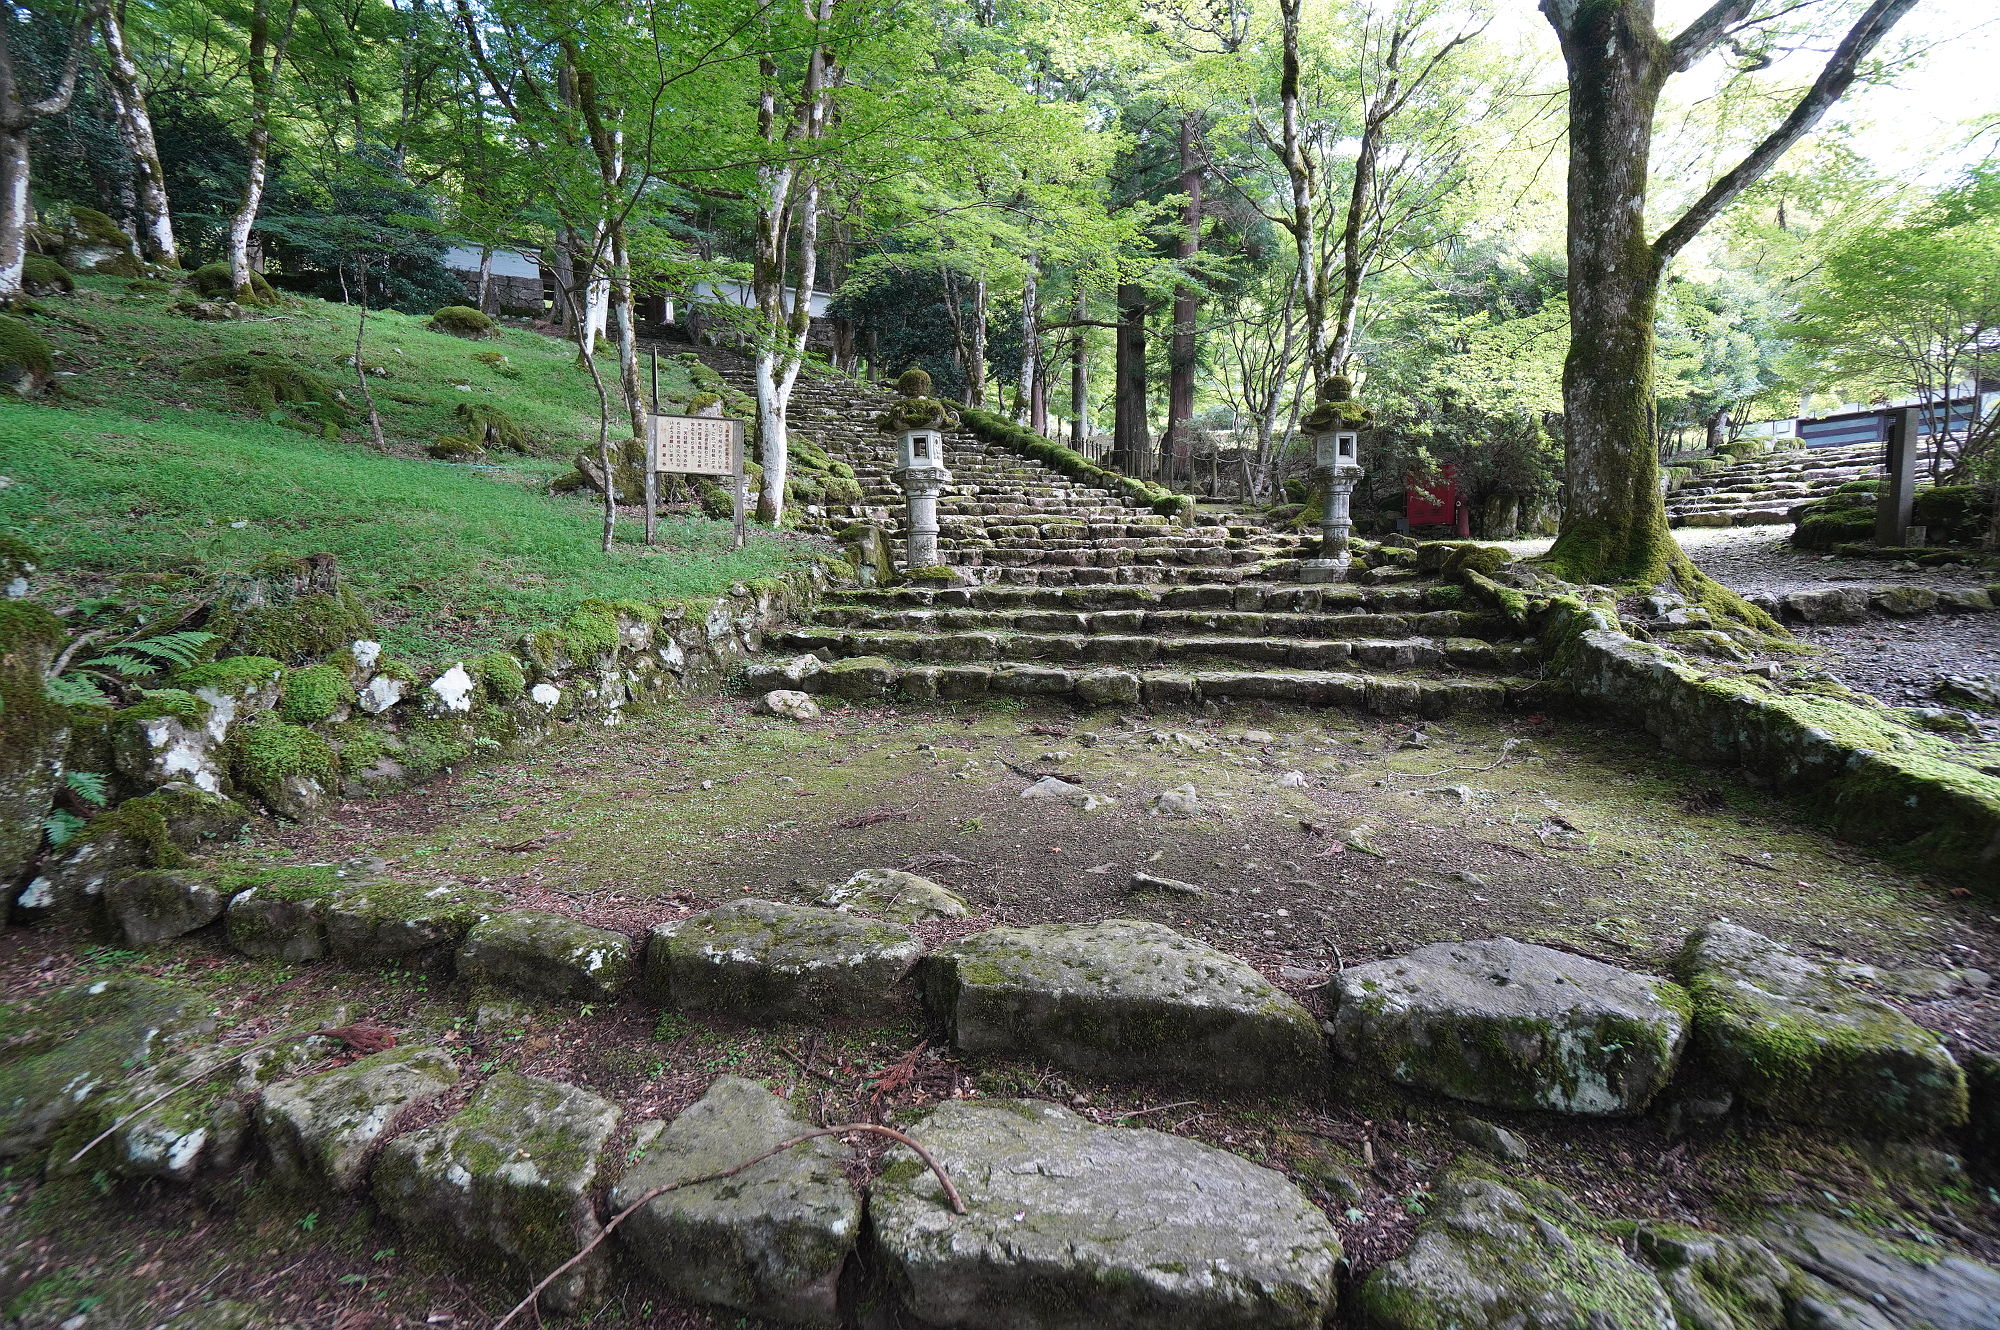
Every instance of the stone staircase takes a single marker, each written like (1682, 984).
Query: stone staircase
(1764, 491)
(1071, 590)
(1006, 518)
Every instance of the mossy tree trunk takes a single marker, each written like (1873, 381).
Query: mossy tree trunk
(155, 229)
(1614, 525)
(266, 63)
(18, 114)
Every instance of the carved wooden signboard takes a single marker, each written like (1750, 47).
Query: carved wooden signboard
(697, 445)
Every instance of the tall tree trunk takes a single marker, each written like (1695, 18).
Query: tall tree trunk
(267, 59)
(487, 305)
(1614, 525)
(1300, 221)
(361, 354)
(975, 367)
(154, 219)
(1031, 347)
(1187, 309)
(1079, 376)
(1129, 437)
(625, 333)
(17, 118)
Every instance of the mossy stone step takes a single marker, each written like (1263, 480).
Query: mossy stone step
(1124, 999)
(1258, 596)
(937, 647)
(1075, 1226)
(1205, 623)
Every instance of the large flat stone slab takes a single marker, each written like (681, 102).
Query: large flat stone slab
(1073, 1226)
(1850, 1273)
(771, 1240)
(319, 1129)
(1123, 999)
(1513, 1025)
(505, 1183)
(1797, 1041)
(769, 960)
(1493, 1253)
(548, 955)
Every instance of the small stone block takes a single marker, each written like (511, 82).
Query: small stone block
(548, 955)
(1124, 999)
(770, 1241)
(767, 959)
(507, 1182)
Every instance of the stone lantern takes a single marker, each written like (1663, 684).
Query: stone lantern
(919, 421)
(1335, 423)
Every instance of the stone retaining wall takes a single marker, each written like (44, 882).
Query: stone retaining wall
(249, 729)
(1878, 780)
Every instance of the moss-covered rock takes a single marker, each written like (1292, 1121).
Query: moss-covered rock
(34, 731)
(505, 1184)
(890, 893)
(769, 960)
(1719, 1281)
(548, 955)
(67, 1049)
(1513, 1025)
(151, 905)
(87, 240)
(276, 388)
(463, 321)
(1125, 999)
(279, 913)
(287, 768)
(1953, 514)
(1073, 1226)
(770, 1241)
(314, 694)
(211, 282)
(293, 610)
(154, 831)
(43, 276)
(1495, 1253)
(1795, 1040)
(322, 1130)
(27, 362)
(383, 920)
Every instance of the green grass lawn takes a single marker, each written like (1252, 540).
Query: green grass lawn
(137, 471)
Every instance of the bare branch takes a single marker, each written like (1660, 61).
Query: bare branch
(1834, 80)
(1701, 36)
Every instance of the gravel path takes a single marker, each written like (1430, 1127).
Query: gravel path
(1896, 660)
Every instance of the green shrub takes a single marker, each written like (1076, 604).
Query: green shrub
(463, 321)
(282, 391)
(43, 276)
(211, 282)
(1954, 514)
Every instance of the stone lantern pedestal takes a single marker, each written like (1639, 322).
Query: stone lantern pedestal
(1335, 423)
(919, 421)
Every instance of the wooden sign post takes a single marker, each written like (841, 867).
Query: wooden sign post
(702, 446)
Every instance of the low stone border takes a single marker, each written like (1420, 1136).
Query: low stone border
(1853, 604)
(1877, 779)
(288, 739)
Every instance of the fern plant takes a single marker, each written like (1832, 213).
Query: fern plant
(88, 788)
(101, 679)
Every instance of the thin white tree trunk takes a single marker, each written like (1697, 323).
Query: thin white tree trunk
(13, 212)
(154, 228)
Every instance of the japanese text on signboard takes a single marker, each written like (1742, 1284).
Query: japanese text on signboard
(696, 445)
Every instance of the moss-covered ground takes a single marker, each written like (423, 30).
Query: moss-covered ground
(139, 483)
(1544, 830)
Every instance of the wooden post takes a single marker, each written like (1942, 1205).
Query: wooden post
(1892, 508)
(740, 483)
(652, 480)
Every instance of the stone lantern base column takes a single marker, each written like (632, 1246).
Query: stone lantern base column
(1335, 527)
(921, 487)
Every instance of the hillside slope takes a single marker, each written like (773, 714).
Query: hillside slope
(143, 480)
